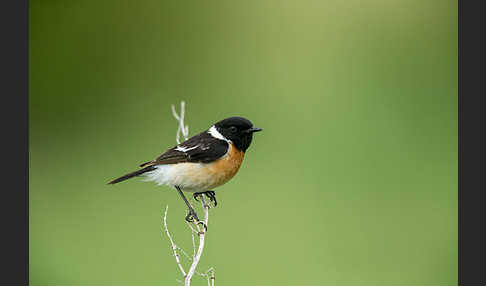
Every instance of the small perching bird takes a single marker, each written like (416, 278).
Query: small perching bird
(202, 162)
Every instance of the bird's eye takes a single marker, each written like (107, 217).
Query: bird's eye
(233, 129)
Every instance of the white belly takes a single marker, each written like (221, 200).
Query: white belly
(194, 177)
(185, 175)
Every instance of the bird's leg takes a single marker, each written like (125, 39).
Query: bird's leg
(192, 213)
(210, 194)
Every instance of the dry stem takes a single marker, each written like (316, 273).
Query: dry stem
(200, 231)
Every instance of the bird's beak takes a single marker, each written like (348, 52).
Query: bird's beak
(254, 129)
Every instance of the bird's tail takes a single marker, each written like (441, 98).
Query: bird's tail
(133, 174)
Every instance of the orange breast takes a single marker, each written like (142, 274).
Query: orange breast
(194, 177)
(225, 168)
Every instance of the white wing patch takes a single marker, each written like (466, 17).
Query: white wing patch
(185, 149)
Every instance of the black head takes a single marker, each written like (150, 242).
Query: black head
(237, 129)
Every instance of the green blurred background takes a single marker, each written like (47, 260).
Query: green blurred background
(352, 182)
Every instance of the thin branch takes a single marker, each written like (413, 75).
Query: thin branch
(201, 232)
(181, 128)
(193, 244)
(202, 236)
(209, 278)
(185, 254)
(173, 245)
(193, 238)
(213, 277)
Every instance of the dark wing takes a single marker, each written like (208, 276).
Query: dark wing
(202, 148)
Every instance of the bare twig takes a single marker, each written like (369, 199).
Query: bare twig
(182, 128)
(173, 245)
(201, 232)
(212, 278)
(209, 278)
(202, 236)
(193, 238)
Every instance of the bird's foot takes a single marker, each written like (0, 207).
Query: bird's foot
(192, 217)
(212, 197)
(210, 194)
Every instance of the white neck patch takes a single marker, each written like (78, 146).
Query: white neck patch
(215, 133)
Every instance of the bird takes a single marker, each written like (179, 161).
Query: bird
(202, 162)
